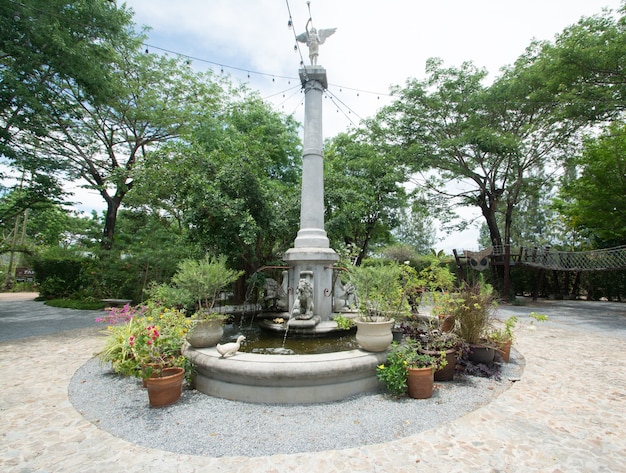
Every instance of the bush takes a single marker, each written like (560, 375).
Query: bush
(204, 279)
(58, 276)
(473, 308)
(384, 289)
(149, 334)
(170, 296)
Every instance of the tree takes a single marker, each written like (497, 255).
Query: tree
(156, 98)
(363, 192)
(233, 181)
(43, 43)
(416, 228)
(584, 68)
(486, 144)
(595, 202)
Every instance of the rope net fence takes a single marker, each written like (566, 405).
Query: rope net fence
(594, 260)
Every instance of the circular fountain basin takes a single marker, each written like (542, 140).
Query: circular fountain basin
(292, 379)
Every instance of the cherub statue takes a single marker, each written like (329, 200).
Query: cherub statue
(313, 38)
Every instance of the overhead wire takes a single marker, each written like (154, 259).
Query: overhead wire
(222, 66)
(340, 109)
(295, 36)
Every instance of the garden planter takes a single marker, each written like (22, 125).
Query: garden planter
(420, 382)
(150, 369)
(397, 335)
(447, 372)
(481, 354)
(206, 333)
(504, 350)
(446, 323)
(374, 336)
(166, 389)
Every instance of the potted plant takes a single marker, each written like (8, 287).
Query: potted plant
(407, 370)
(204, 280)
(443, 310)
(435, 342)
(473, 309)
(343, 322)
(503, 338)
(383, 296)
(148, 345)
(438, 281)
(207, 329)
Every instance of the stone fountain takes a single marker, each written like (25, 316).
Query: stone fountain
(299, 378)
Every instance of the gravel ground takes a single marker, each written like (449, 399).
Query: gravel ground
(202, 425)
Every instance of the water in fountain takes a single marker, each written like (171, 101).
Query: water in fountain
(260, 341)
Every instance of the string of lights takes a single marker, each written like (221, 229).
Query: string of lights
(222, 67)
(333, 96)
(290, 26)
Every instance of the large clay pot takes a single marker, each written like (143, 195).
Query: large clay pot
(374, 336)
(420, 382)
(447, 372)
(481, 354)
(150, 369)
(206, 333)
(504, 350)
(446, 323)
(166, 389)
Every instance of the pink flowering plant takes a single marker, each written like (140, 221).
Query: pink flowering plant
(121, 315)
(151, 339)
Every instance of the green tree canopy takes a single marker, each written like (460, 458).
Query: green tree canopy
(156, 99)
(233, 181)
(363, 192)
(45, 42)
(585, 68)
(479, 146)
(594, 203)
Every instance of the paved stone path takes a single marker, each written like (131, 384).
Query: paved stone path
(567, 414)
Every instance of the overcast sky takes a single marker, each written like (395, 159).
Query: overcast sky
(378, 43)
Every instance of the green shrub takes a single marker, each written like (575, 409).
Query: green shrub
(384, 290)
(204, 279)
(57, 276)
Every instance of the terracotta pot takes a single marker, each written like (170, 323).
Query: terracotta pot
(150, 369)
(420, 382)
(447, 372)
(167, 388)
(504, 350)
(446, 323)
(374, 336)
(481, 354)
(206, 333)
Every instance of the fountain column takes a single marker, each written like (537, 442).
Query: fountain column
(311, 252)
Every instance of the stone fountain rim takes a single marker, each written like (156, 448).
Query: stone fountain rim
(299, 379)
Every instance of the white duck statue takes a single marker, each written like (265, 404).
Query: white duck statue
(229, 349)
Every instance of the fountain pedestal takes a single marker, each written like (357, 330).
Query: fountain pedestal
(311, 252)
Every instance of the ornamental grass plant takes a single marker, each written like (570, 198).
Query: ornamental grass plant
(473, 309)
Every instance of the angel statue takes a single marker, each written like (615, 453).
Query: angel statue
(313, 38)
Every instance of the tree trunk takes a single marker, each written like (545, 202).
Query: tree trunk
(113, 205)
(488, 208)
